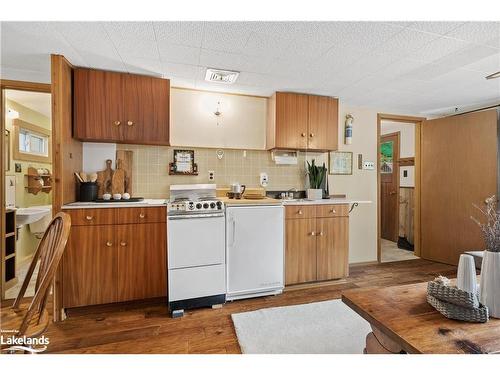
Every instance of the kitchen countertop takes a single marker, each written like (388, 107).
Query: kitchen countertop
(144, 203)
(303, 202)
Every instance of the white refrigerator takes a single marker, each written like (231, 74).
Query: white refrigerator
(254, 251)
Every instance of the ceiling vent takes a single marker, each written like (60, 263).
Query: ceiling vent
(221, 76)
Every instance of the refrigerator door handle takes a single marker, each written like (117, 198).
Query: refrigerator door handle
(233, 232)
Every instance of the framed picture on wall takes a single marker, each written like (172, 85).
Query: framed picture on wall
(340, 162)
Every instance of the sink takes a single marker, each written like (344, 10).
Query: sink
(30, 215)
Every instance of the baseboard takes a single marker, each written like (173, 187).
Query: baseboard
(359, 264)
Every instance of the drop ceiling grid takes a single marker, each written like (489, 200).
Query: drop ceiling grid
(347, 59)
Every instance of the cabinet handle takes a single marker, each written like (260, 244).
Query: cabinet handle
(313, 233)
(109, 244)
(311, 135)
(333, 211)
(123, 243)
(299, 212)
(117, 123)
(130, 123)
(303, 134)
(88, 217)
(142, 216)
(320, 233)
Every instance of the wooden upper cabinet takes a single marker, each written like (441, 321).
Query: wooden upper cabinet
(120, 107)
(302, 122)
(323, 123)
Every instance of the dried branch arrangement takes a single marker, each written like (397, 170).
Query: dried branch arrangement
(491, 227)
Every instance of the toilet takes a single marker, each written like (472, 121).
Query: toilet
(39, 227)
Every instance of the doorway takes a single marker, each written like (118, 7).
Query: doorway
(26, 171)
(398, 188)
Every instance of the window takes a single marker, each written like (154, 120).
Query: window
(32, 142)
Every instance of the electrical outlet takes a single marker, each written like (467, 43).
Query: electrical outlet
(211, 175)
(369, 165)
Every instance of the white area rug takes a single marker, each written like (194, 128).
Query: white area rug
(322, 327)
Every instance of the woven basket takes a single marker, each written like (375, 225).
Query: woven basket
(452, 295)
(451, 311)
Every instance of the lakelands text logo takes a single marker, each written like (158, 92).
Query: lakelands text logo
(13, 343)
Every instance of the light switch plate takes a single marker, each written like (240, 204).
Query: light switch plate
(369, 165)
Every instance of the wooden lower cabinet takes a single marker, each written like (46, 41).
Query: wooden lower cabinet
(331, 248)
(115, 262)
(317, 248)
(300, 253)
(142, 261)
(89, 266)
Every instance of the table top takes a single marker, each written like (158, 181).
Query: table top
(403, 314)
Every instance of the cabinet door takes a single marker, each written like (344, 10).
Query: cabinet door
(146, 110)
(89, 266)
(98, 105)
(142, 261)
(323, 123)
(300, 253)
(332, 248)
(291, 120)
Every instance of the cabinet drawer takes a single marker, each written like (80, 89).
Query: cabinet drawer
(332, 210)
(136, 215)
(92, 216)
(300, 212)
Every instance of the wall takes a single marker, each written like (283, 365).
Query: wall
(242, 123)
(27, 242)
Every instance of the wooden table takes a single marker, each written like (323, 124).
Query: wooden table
(403, 321)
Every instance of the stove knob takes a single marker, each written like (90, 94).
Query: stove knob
(205, 205)
(191, 205)
(198, 206)
(219, 205)
(212, 205)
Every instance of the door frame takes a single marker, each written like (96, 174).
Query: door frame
(418, 121)
(396, 171)
(14, 85)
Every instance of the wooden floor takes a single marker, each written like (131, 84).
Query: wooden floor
(145, 327)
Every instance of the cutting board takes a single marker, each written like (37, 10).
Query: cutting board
(118, 180)
(104, 179)
(127, 158)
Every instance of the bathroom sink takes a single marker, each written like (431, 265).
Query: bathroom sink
(28, 215)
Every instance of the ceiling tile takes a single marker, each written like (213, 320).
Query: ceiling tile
(437, 49)
(177, 53)
(179, 70)
(226, 36)
(487, 33)
(436, 27)
(486, 65)
(183, 33)
(405, 42)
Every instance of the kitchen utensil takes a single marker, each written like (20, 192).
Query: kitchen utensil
(117, 196)
(78, 177)
(93, 177)
(83, 175)
(466, 274)
(106, 196)
(127, 158)
(236, 188)
(118, 180)
(104, 179)
(88, 191)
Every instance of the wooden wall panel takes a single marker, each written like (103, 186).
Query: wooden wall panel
(459, 168)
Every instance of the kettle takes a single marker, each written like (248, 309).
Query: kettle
(236, 188)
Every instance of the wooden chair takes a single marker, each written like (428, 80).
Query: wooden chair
(32, 319)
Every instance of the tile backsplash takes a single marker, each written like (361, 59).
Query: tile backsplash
(151, 178)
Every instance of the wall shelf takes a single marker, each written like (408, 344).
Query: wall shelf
(8, 253)
(34, 178)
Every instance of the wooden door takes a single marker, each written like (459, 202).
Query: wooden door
(89, 266)
(300, 253)
(389, 185)
(459, 169)
(146, 110)
(142, 261)
(291, 120)
(98, 105)
(323, 123)
(332, 248)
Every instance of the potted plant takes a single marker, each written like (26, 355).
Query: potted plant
(316, 177)
(490, 268)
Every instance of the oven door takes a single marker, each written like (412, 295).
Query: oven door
(195, 241)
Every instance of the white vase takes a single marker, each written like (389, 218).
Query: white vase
(314, 194)
(466, 274)
(490, 283)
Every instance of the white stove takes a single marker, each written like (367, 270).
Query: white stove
(196, 248)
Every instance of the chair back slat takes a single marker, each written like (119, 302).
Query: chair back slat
(49, 252)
